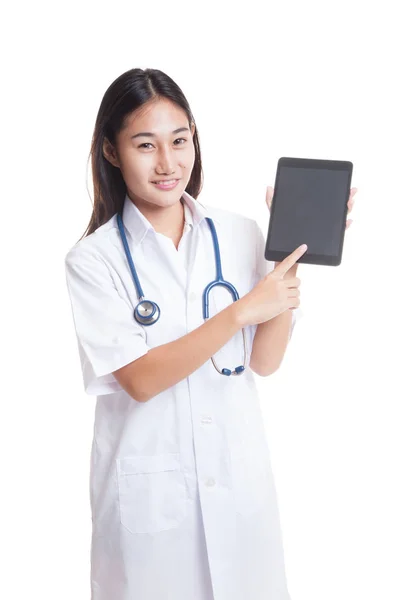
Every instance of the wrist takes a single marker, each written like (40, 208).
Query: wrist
(237, 314)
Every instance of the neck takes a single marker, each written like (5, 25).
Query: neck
(169, 221)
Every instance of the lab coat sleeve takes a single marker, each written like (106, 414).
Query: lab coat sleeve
(108, 335)
(262, 268)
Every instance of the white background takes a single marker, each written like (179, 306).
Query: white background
(306, 79)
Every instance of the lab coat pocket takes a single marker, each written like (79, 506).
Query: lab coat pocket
(249, 483)
(152, 492)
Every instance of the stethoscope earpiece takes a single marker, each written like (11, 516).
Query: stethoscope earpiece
(147, 312)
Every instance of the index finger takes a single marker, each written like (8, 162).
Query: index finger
(290, 260)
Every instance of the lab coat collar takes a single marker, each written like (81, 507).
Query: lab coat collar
(138, 225)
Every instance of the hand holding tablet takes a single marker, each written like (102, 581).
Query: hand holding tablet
(309, 206)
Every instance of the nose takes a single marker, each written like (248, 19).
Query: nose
(165, 163)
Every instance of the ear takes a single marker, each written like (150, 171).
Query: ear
(192, 129)
(110, 154)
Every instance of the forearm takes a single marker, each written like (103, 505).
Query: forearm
(166, 365)
(270, 343)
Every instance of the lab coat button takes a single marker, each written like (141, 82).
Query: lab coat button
(206, 419)
(210, 482)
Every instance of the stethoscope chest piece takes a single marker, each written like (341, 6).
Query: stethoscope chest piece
(147, 312)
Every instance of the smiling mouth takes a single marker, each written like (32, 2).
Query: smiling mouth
(166, 181)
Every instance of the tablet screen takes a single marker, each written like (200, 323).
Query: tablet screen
(309, 206)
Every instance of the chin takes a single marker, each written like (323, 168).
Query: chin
(167, 196)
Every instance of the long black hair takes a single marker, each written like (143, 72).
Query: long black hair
(127, 93)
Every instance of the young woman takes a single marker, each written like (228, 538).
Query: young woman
(182, 494)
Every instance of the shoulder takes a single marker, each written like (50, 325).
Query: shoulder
(237, 238)
(229, 219)
(97, 246)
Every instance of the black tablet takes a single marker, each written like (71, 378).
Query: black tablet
(309, 206)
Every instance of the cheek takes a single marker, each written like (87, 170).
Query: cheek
(188, 158)
(136, 167)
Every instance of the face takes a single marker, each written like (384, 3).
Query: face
(159, 155)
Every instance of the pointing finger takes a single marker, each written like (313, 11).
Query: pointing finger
(270, 193)
(290, 260)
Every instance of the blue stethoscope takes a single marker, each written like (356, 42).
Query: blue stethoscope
(147, 312)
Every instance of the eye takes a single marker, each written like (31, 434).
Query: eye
(148, 143)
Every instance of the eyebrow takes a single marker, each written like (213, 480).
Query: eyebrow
(149, 134)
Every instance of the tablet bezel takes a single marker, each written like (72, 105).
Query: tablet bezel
(310, 163)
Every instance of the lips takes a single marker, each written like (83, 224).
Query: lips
(166, 181)
(170, 185)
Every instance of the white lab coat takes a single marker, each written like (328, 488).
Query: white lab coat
(181, 489)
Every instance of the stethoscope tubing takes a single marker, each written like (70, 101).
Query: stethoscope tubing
(148, 312)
